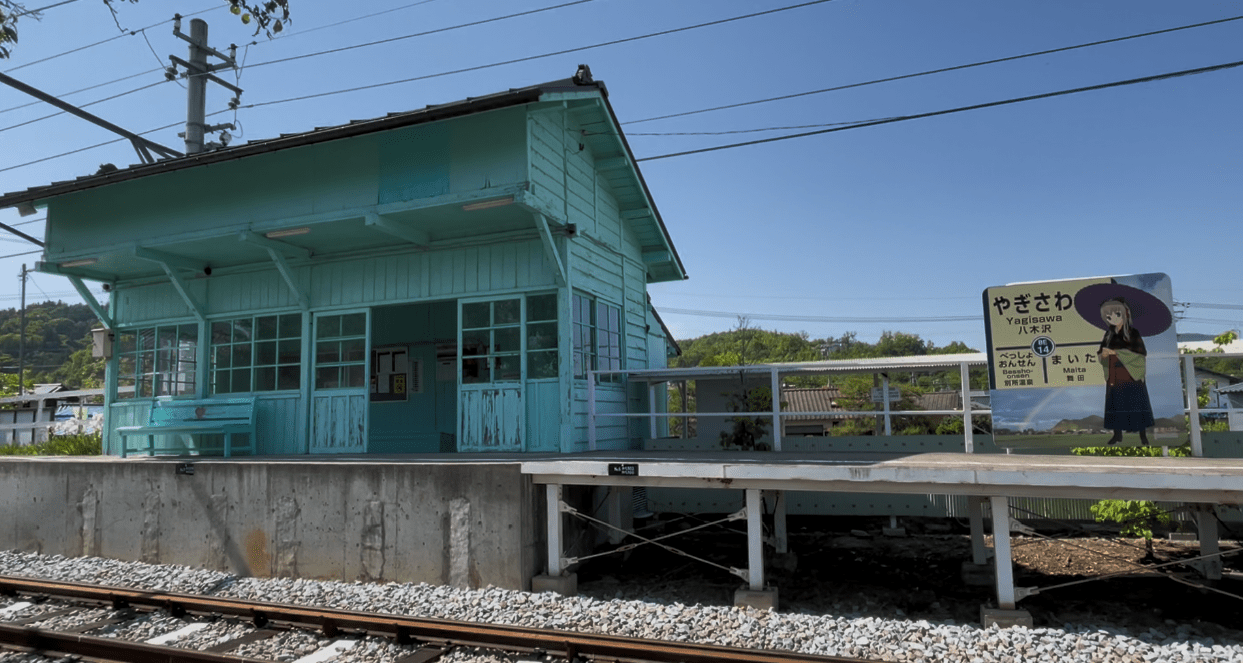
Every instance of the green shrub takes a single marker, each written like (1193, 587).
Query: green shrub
(63, 445)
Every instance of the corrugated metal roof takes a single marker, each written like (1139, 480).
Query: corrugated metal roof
(580, 82)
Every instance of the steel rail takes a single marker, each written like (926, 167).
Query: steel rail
(411, 630)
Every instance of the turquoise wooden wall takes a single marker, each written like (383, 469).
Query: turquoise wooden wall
(537, 151)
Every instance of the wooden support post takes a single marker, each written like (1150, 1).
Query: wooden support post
(755, 540)
(552, 493)
(779, 523)
(776, 393)
(1206, 522)
(1001, 552)
(613, 504)
(1193, 404)
(975, 516)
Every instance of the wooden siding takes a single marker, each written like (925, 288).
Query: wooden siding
(543, 416)
(492, 419)
(279, 425)
(129, 412)
(360, 282)
(340, 424)
(611, 432)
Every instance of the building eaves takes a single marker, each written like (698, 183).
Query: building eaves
(431, 113)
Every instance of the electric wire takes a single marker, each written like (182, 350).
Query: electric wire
(991, 104)
(527, 58)
(936, 71)
(92, 103)
(422, 34)
(128, 33)
(85, 89)
(819, 318)
(32, 12)
(350, 20)
(91, 147)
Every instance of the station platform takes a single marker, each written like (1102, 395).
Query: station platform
(995, 478)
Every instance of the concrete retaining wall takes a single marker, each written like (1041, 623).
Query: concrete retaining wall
(457, 523)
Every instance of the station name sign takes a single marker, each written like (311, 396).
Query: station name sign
(623, 469)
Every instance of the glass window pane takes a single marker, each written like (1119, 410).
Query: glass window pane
(220, 332)
(126, 342)
(507, 340)
(355, 350)
(144, 386)
(125, 386)
(327, 377)
(290, 352)
(327, 352)
(542, 365)
(291, 326)
(265, 379)
(476, 315)
(241, 379)
(507, 312)
(164, 359)
(220, 382)
(185, 382)
(475, 371)
(541, 307)
(355, 376)
(222, 357)
(541, 336)
(125, 366)
(188, 334)
(475, 343)
(167, 337)
(242, 330)
(328, 326)
(241, 355)
(508, 368)
(289, 377)
(146, 362)
(265, 327)
(146, 339)
(265, 353)
(354, 324)
(580, 370)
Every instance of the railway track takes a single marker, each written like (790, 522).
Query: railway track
(417, 640)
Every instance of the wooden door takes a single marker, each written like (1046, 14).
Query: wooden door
(339, 400)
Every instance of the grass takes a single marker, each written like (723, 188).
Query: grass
(62, 445)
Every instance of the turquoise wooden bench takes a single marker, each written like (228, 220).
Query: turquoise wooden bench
(215, 416)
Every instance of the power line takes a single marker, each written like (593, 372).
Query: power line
(129, 33)
(90, 147)
(934, 71)
(991, 104)
(92, 103)
(425, 33)
(351, 20)
(528, 58)
(1236, 307)
(27, 253)
(815, 318)
(92, 87)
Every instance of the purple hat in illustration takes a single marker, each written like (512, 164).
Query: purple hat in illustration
(1149, 315)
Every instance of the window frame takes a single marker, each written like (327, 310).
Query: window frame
(155, 367)
(280, 339)
(591, 347)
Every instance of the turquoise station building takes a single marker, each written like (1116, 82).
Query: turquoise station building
(439, 280)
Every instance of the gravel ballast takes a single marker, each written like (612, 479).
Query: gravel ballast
(850, 634)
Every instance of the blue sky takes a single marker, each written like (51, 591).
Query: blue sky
(905, 222)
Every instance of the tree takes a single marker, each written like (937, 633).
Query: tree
(269, 17)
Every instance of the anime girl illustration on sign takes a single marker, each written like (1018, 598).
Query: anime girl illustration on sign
(1127, 315)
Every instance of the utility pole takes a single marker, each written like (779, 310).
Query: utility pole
(21, 344)
(197, 73)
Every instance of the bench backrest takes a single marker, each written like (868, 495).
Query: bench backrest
(222, 411)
